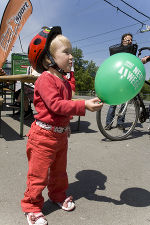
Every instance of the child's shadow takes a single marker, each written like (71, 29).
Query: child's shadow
(88, 182)
(91, 180)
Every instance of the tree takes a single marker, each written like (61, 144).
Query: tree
(85, 71)
(146, 90)
(92, 68)
(78, 59)
(84, 82)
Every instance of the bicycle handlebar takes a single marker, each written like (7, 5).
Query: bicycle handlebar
(147, 82)
(141, 49)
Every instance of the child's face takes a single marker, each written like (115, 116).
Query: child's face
(63, 54)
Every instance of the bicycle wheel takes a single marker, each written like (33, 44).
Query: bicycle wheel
(131, 112)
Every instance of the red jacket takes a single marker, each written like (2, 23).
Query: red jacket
(52, 101)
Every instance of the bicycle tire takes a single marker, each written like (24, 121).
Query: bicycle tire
(131, 118)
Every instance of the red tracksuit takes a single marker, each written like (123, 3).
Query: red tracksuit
(47, 150)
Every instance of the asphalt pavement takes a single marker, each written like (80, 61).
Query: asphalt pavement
(110, 181)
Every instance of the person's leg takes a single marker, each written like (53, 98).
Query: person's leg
(121, 119)
(29, 92)
(58, 179)
(27, 108)
(16, 104)
(110, 114)
(41, 154)
(17, 94)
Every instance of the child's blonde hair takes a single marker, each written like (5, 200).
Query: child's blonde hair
(53, 47)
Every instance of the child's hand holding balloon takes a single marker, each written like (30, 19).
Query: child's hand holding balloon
(93, 104)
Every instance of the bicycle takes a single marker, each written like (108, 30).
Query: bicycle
(132, 111)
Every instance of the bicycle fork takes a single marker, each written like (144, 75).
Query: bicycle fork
(121, 112)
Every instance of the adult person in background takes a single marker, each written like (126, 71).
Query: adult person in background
(145, 59)
(2, 72)
(126, 46)
(126, 40)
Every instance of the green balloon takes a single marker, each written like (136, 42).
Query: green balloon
(119, 78)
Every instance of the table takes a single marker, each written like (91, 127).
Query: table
(23, 79)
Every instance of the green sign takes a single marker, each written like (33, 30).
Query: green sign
(19, 63)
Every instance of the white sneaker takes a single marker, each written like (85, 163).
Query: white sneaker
(36, 218)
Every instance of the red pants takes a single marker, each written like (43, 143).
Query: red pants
(47, 159)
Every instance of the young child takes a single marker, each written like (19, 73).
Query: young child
(50, 53)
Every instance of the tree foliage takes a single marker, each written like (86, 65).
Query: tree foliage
(85, 71)
(146, 91)
(146, 88)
